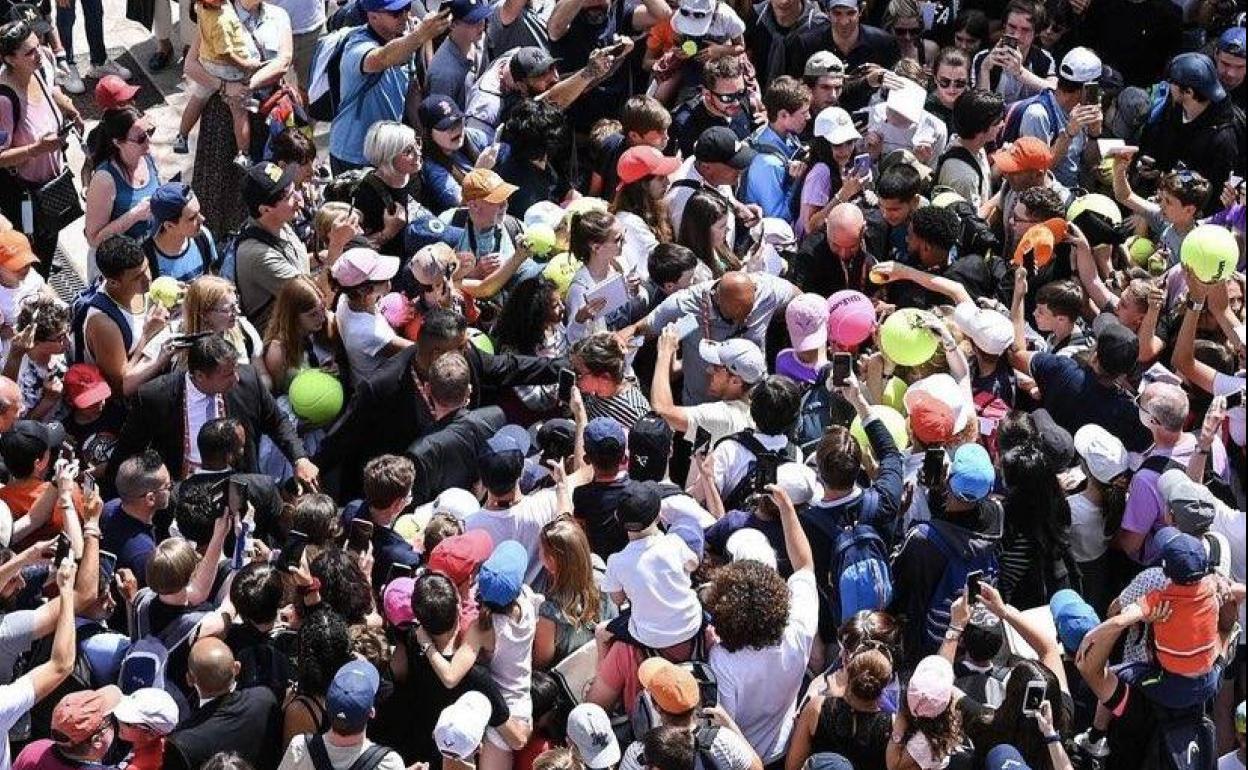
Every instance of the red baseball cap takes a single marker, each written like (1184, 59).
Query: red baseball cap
(643, 161)
(112, 92)
(459, 556)
(81, 715)
(85, 386)
(1026, 154)
(932, 421)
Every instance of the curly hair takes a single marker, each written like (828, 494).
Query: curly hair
(48, 314)
(521, 323)
(344, 586)
(749, 602)
(324, 647)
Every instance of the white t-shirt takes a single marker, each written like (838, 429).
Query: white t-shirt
(15, 700)
(364, 335)
(760, 687)
(511, 665)
(341, 757)
(11, 300)
(521, 522)
(720, 419)
(1087, 529)
(654, 573)
(639, 241)
(728, 751)
(677, 197)
(1223, 385)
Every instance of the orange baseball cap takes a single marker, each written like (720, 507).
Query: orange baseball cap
(643, 161)
(1041, 239)
(1026, 154)
(673, 689)
(15, 251)
(484, 184)
(80, 715)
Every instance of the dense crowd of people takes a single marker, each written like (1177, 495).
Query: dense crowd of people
(637, 384)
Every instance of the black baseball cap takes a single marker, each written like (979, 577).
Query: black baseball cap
(718, 144)
(28, 440)
(265, 183)
(556, 437)
(649, 448)
(1117, 347)
(639, 505)
(529, 62)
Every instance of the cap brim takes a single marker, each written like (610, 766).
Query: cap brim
(708, 351)
(20, 261)
(500, 194)
(743, 158)
(1005, 162)
(692, 27)
(386, 268)
(479, 13)
(92, 395)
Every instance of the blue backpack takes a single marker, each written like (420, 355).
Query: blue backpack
(860, 568)
(1014, 115)
(953, 581)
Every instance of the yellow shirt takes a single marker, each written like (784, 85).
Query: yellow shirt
(221, 33)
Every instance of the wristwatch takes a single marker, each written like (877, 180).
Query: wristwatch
(1194, 304)
(953, 633)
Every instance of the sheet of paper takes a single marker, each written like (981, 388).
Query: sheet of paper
(614, 290)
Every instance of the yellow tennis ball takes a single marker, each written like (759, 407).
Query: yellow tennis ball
(166, 291)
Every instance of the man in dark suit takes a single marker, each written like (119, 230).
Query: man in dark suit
(447, 457)
(389, 411)
(246, 721)
(167, 413)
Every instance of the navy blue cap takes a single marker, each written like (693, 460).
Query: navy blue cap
(351, 694)
(439, 112)
(1184, 559)
(470, 11)
(639, 505)
(168, 201)
(1197, 72)
(1003, 756)
(387, 6)
(501, 461)
(1232, 42)
(603, 435)
(424, 229)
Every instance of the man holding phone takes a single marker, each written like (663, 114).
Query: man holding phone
(733, 368)
(1067, 116)
(1016, 67)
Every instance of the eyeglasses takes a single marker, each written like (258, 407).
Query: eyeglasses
(233, 309)
(735, 96)
(142, 138)
(907, 31)
(951, 82)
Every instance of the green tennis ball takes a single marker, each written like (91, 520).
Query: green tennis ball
(905, 340)
(894, 394)
(315, 396)
(481, 341)
(1097, 203)
(561, 269)
(1210, 252)
(1140, 249)
(166, 291)
(893, 421)
(689, 48)
(541, 239)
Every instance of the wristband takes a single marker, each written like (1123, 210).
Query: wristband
(313, 587)
(1054, 738)
(91, 533)
(1193, 304)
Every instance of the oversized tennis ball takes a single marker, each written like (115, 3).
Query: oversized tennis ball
(894, 394)
(851, 317)
(1210, 252)
(1140, 249)
(905, 339)
(541, 239)
(561, 269)
(481, 341)
(315, 396)
(166, 291)
(893, 421)
(689, 48)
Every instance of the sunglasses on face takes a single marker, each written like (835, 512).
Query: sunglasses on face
(143, 137)
(689, 13)
(951, 82)
(735, 96)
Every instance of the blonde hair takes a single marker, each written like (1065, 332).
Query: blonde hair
(205, 293)
(171, 566)
(559, 758)
(572, 582)
(296, 297)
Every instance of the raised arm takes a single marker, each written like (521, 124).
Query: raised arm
(1089, 276)
(796, 545)
(661, 399)
(46, 677)
(1045, 644)
(1122, 186)
(206, 570)
(400, 50)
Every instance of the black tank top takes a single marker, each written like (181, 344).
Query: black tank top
(861, 737)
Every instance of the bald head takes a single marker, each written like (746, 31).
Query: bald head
(735, 296)
(844, 228)
(10, 404)
(212, 667)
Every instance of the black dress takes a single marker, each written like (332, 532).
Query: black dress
(859, 736)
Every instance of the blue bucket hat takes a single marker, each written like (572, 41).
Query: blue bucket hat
(502, 575)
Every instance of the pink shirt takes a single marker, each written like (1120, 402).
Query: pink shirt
(39, 118)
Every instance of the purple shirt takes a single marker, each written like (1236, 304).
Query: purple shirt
(1146, 512)
(788, 364)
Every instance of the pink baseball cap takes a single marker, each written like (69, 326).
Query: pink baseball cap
(396, 309)
(362, 265)
(931, 687)
(807, 319)
(396, 601)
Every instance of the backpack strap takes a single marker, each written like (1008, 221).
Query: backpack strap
(318, 754)
(703, 740)
(8, 92)
(958, 152)
(335, 72)
(373, 756)
(205, 246)
(1158, 464)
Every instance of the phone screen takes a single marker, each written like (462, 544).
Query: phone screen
(237, 497)
(933, 467)
(292, 549)
(972, 586)
(108, 565)
(88, 484)
(1009, 41)
(1092, 93)
(764, 474)
(62, 550)
(567, 379)
(359, 535)
(1033, 697)
(701, 439)
(862, 165)
(1235, 399)
(842, 364)
(1029, 261)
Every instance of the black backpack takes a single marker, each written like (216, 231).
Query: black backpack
(202, 242)
(738, 498)
(958, 152)
(372, 757)
(94, 297)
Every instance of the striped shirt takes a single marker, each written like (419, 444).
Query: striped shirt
(626, 407)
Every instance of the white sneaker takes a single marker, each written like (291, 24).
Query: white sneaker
(109, 67)
(70, 80)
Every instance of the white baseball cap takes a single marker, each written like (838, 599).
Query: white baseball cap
(694, 17)
(456, 502)
(749, 544)
(739, 356)
(823, 63)
(908, 101)
(836, 126)
(799, 481)
(461, 725)
(1080, 65)
(149, 707)
(1103, 453)
(589, 729)
(991, 331)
